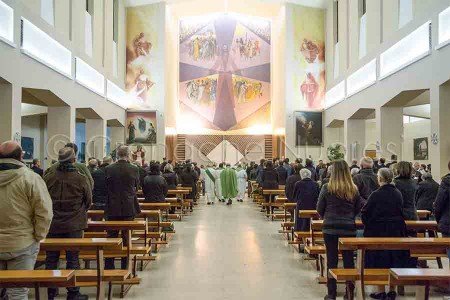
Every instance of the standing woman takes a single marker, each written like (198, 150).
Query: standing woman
(407, 186)
(241, 174)
(382, 216)
(338, 205)
(269, 181)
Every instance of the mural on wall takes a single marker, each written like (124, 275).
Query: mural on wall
(225, 67)
(421, 149)
(308, 128)
(308, 57)
(141, 127)
(144, 55)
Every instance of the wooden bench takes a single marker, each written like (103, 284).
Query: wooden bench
(422, 278)
(37, 279)
(361, 245)
(99, 245)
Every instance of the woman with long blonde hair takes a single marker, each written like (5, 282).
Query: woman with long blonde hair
(339, 203)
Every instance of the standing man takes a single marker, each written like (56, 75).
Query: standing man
(288, 167)
(71, 196)
(80, 167)
(366, 180)
(37, 167)
(242, 182)
(218, 184)
(100, 192)
(25, 214)
(228, 180)
(122, 182)
(210, 188)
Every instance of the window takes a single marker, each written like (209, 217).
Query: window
(48, 11)
(115, 36)
(88, 27)
(336, 21)
(405, 12)
(362, 28)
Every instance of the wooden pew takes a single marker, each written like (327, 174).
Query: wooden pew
(37, 279)
(422, 278)
(361, 245)
(99, 245)
(272, 203)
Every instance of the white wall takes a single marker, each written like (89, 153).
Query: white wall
(32, 126)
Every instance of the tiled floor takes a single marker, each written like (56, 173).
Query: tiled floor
(232, 252)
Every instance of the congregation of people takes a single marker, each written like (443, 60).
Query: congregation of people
(53, 204)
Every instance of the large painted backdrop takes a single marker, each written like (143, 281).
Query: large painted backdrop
(305, 69)
(224, 78)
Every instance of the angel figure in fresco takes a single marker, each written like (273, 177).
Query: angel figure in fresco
(139, 47)
(131, 133)
(309, 50)
(309, 89)
(142, 85)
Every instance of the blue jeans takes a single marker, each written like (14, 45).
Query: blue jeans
(19, 260)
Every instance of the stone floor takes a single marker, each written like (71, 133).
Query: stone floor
(223, 252)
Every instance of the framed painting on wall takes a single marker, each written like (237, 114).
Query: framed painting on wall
(141, 127)
(27, 144)
(308, 128)
(421, 148)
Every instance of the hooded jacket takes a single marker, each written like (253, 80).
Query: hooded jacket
(25, 206)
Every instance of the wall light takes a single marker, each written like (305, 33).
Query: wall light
(6, 23)
(362, 78)
(43, 48)
(408, 50)
(89, 77)
(444, 28)
(335, 95)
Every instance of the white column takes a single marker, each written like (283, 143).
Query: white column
(389, 131)
(117, 137)
(60, 129)
(96, 138)
(10, 112)
(354, 138)
(440, 127)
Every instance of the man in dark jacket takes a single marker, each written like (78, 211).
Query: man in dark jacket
(442, 207)
(260, 170)
(290, 183)
(426, 192)
(100, 192)
(71, 196)
(282, 174)
(154, 186)
(37, 167)
(366, 180)
(354, 165)
(310, 166)
(122, 182)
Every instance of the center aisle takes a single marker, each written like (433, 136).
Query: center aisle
(223, 252)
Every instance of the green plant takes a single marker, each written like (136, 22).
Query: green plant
(335, 152)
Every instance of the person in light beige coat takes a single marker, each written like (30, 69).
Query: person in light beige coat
(25, 214)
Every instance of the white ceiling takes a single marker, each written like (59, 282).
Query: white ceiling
(311, 3)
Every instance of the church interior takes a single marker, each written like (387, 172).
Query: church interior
(223, 149)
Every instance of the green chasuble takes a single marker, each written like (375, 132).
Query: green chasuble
(228, 180)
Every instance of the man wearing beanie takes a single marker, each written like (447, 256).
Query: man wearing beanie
(72, 196)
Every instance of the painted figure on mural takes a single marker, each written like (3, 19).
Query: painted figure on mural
(131, 133)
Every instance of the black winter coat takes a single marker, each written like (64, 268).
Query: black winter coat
(100, 191)
(367, 182)
(426, 194)
(290, 185)
(442, 206)
(269, 179)
(122, 181)
(407, 186)
(382, 216)
(282, 175)
(306, 194)
(188, 178)
(154, 188)
(171, 179)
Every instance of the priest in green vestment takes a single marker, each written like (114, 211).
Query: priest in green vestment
(228, 180)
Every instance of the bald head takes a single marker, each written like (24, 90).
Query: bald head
(11, 149)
